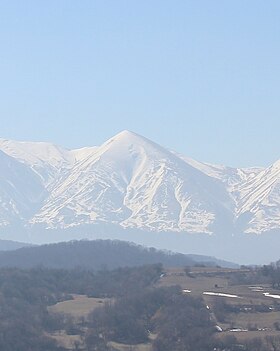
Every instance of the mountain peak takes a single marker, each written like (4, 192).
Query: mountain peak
(126, 133)
(126, 136)
(131, 142)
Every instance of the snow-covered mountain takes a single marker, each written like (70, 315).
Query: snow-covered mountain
(21, 192)
(131, 182)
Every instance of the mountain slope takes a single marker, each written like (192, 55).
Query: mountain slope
(261, 201)
(21, 192)
(136, 183)
(45, 159)
(50, 162)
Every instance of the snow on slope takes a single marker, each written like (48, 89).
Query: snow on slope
(45, 159)
(21, 192)
(132, 181)
(233, 178)
(262, 200)
(82, 153)
(49, 161)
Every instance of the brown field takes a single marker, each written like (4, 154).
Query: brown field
(197, 285)
(139, 347)
(66, 341)
(217, 280)
(80, 306)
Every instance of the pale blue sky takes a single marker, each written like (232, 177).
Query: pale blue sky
(200, 77)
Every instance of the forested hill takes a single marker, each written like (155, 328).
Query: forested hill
(98, 254)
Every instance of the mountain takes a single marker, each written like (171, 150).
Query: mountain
(47, 161)
(9, 245)
(261, 201)
(130, 184)
(100, 254)
(21, 193)
(136, 184)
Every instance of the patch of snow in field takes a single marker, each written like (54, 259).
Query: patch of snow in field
(220, 294)
(272, 295)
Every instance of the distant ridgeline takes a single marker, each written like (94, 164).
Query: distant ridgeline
(8, 245)
(99, 254)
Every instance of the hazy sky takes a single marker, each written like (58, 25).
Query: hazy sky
(200, 77)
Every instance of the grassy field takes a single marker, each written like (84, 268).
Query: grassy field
(139, 347)
(67, 341)
(80, 306)
(196, 284)
(217, 281)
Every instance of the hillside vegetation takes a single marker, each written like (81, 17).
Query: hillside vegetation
(98, 254)
(147, 308)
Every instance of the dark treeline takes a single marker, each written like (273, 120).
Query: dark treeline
(272, 272)
(50, 285)
(97, 254)
(266, 274)
(179, 322)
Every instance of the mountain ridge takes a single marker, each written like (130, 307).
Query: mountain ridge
(133, 182)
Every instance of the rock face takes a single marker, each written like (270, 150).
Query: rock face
(131, 182)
